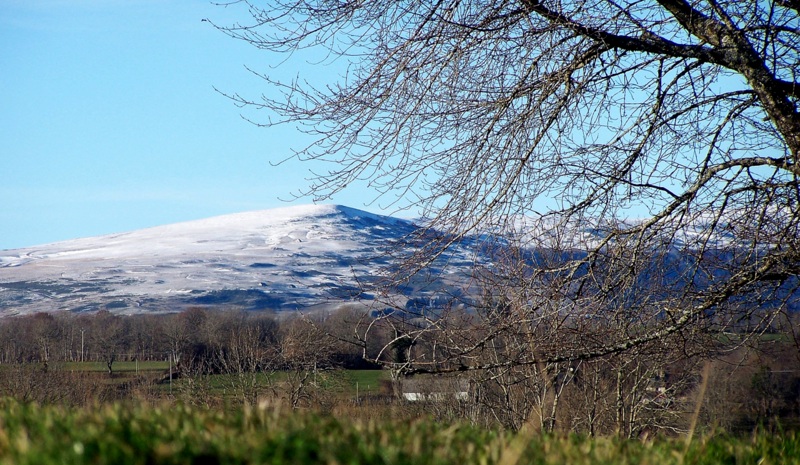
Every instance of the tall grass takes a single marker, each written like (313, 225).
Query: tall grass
(267, 434)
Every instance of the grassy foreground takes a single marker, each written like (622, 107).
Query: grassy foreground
(118, 434)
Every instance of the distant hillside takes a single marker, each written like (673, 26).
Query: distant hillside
(282, 259)
(296, 258)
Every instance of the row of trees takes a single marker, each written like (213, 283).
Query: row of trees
(246, 349)
(655, 387)
(190, 339)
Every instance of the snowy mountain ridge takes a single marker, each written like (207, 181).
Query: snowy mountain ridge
(286, 259)
(280, 259)
(228, 233)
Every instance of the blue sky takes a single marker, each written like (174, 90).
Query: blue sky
(109, 121)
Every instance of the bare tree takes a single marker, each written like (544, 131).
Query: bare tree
(639, 159)
(181, 332)
(45, 331)
(108, 337)
(642, 134)
(246, 353)
(306, 350)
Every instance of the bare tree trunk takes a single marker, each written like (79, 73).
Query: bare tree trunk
(620, 405)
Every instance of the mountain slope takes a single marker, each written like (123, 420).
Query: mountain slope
(280, 259)
(287, 259)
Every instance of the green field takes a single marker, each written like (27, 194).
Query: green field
(76, 382)
(119, 367)
(364, 381)
(176, 434)
(350, 383)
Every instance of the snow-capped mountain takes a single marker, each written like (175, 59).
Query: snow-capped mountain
(306, 258)
(281, 259)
